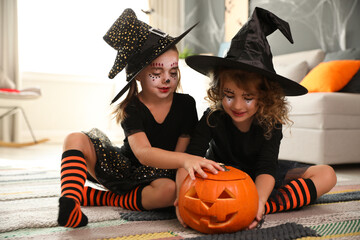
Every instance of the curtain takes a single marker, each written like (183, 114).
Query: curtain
(9, 66)
(209, 33)
(167, 16)
(175, 16)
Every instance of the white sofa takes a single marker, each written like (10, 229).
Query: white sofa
(326, 127)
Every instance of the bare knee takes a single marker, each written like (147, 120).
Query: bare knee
(161, 193)
(79, 141)
(75, 140)
(323, 176)
(326, 173)
(168, 190)
(329, 174)
(166, 193)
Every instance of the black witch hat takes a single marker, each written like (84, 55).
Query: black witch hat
(250, 51)
(138, 44)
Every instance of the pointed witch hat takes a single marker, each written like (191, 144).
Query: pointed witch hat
(250, 51)
(138, 44)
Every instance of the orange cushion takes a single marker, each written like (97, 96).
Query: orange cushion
(330, 76)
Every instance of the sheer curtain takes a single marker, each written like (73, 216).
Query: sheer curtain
(167, 16)
(9, 66)
(175, 16)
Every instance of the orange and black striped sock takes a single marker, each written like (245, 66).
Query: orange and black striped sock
(130, 200)
(294, 195)
(73, 177)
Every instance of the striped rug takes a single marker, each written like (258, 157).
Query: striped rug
(337, 230)
(29, 205)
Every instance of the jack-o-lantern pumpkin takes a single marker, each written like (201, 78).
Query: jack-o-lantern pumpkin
(225, 202)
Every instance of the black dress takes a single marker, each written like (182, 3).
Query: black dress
(218, 139)
(118, 169)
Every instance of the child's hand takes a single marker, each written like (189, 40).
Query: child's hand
(196, 164)
(259, 216)
(176, 204)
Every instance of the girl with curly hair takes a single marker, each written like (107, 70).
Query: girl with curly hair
(243, 125)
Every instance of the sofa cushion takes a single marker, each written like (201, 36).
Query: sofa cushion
(351, 53)
(325, 111)
(353, 85)
(336, 146)
(295, 72)
(311, 57)
(330, 76)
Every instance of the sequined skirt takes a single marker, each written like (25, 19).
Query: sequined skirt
(288, 171)
(118, 173)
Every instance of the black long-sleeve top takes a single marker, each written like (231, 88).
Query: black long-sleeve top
(223, 142)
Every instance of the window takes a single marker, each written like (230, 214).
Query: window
(65, 36)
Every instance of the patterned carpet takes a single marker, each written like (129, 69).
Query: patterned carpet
(29, 205)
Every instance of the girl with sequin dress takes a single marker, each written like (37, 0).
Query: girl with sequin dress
(157, 123)
(243, 126)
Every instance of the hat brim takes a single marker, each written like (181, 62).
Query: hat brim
(152, 58)
(207, 64)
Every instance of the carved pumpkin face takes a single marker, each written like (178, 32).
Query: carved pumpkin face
(225, 202)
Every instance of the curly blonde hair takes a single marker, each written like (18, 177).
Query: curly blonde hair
(273, 108)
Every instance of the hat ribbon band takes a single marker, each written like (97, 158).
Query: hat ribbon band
(158, 32)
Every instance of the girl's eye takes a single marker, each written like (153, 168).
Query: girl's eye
(248, 100)
(229, 96)
(156, 74)
(173, 74)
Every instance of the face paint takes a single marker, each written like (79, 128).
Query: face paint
(153, 77)
(228, 90)
(229, 95)
(160, 78)
(157, 64)
(248, 98)
(239, 104)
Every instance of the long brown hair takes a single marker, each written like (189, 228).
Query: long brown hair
(273, 108)
(133, 92)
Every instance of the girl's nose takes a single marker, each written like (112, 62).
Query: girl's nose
(238, 103)
(165, 78)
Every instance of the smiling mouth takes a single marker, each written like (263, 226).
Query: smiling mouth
(239, 114)
(164, 89)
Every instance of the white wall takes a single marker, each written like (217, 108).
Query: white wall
(67, 104)
(194, 84)
(72, 103)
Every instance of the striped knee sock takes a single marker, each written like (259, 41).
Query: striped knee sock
(130, 200)
(294, 195)
(73, 176)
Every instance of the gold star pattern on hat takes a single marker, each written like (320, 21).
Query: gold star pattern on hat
(138, 44)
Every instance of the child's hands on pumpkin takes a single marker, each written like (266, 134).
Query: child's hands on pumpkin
(196, 164)
(259, 216)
